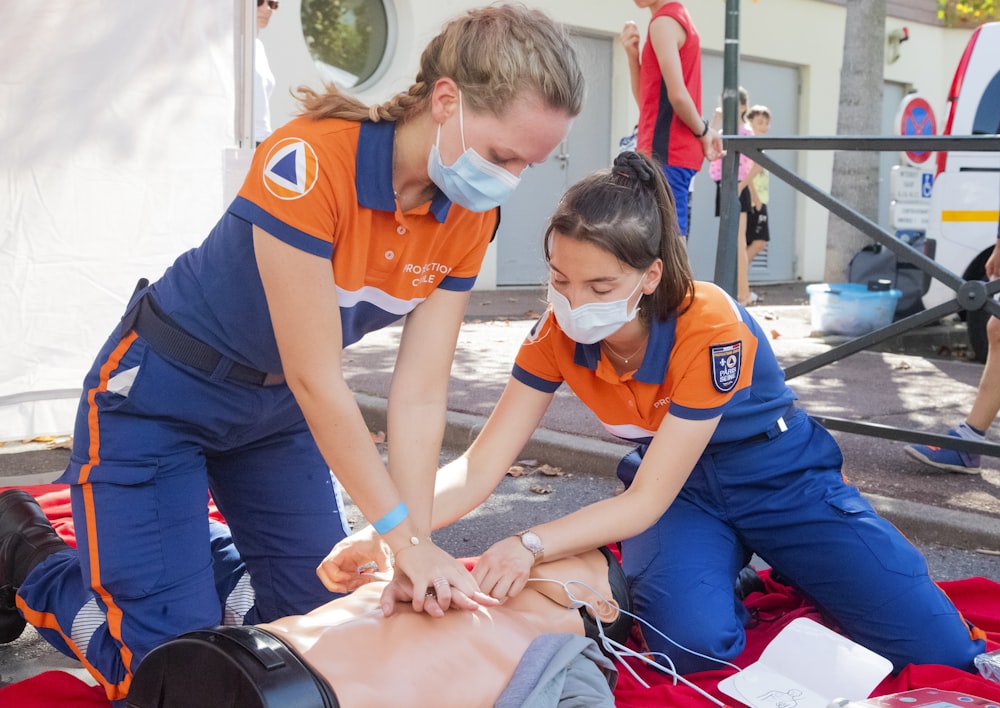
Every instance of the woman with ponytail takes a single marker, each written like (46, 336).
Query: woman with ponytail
(726, 465)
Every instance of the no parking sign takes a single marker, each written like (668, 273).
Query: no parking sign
(915, 118)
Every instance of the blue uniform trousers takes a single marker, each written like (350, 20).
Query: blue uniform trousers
(145, 457)
(785, 499)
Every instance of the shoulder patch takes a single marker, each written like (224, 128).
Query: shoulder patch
(538, 330)
(290, 169)
(727, 359)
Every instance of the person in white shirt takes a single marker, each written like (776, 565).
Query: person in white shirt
(263, 78)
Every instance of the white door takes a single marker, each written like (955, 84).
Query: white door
(586, 148)
(777, 87)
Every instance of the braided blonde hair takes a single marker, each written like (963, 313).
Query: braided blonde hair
(493, 53)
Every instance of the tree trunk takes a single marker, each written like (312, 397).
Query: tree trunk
(855, 173)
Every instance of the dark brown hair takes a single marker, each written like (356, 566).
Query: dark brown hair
(628, 211)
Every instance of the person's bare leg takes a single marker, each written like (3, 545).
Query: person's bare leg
(987, 404)
(754, 249)
(980, 418)
(742, 264)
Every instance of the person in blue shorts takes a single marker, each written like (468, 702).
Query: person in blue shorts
(666, 83)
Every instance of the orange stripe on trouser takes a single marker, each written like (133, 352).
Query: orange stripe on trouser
(114, 613)
(47, 620)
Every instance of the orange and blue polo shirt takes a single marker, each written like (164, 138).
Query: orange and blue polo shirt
(325, 187)
(712, 359)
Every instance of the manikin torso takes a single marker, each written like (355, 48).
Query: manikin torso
(461, 660)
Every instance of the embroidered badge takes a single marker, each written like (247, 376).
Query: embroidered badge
(290, 169)
(726, 362)
(535, 335)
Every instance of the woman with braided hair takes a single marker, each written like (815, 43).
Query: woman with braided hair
(225, 374)
(725, 465)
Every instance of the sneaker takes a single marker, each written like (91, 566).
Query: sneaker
(748, 581)
(945, 459)
(989, 665)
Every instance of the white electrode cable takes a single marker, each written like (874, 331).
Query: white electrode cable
(620, 650)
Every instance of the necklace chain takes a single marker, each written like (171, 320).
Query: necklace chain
(625, 359)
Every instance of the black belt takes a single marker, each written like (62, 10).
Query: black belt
(169, 339)
(776, 429)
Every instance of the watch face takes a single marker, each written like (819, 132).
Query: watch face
(531, 541)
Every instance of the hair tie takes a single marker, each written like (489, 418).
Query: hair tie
(373, 115)
(632, 165)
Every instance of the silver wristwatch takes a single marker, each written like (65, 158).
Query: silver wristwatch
(531, 541)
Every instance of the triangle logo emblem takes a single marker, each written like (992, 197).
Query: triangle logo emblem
(290, 169)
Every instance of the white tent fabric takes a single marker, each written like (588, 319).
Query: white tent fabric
(114, 116)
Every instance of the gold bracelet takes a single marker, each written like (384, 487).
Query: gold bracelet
(414, 541)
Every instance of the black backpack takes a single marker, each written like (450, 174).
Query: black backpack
(875, 262)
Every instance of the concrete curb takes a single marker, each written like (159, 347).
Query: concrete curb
(584, 455)
(932, 524)
(599, 458)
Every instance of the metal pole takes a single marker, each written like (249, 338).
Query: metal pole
(727, 250)
(246, 33)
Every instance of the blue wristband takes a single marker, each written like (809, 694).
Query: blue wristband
(391, 520)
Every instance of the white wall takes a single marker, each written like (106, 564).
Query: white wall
(113, 117)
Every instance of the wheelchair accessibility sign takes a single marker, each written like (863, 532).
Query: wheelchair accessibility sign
(926, 185)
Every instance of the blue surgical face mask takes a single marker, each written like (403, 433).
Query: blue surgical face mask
(594, 321)
(471, 181)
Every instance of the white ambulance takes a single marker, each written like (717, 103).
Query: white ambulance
(965, 200)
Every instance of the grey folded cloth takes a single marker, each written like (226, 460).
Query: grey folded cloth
(564, 670)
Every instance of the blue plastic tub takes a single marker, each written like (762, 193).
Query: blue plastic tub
(850, 309)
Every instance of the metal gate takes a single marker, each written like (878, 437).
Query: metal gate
(970, 295)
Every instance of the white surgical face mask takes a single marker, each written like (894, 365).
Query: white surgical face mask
(471, 181)
(594, 321)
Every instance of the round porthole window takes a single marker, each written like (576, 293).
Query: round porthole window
(349, 40)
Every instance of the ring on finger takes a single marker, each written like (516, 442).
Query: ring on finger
(431, 592)
(441, 582)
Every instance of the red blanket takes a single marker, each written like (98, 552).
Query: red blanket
(977, 598)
